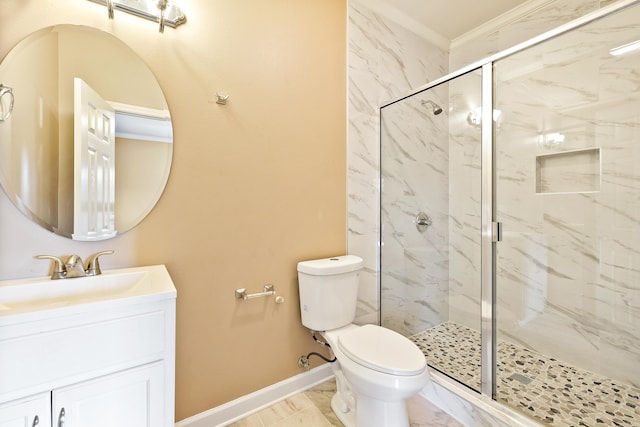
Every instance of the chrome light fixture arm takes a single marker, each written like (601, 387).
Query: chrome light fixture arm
(165, 12)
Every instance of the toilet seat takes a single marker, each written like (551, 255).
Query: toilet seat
(382, 350)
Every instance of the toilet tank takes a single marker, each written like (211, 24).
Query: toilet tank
(329, 291)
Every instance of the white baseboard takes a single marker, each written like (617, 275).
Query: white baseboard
(239, 408)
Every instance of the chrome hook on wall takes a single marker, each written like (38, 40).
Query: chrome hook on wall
(222, 98)
(6, 107)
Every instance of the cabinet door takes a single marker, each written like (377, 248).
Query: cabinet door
(32, 411)
(132, 398)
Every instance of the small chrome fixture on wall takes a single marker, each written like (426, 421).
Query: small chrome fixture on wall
(423, 221)
(165, 12)
(6, 102)
(222, 98)
(267, 290)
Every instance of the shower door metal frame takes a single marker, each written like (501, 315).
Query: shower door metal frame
(487, 242)
(490, 229)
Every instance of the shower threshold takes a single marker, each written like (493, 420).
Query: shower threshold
(551, 391)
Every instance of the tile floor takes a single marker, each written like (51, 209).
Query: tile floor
(551, 391)
(312, 408)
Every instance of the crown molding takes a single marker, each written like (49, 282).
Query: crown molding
(385, 9)
(500, 21)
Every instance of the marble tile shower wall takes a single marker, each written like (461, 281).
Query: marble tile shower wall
(415, 176)
(464, 190)
(545, 15)
(569, 265)
(384, 61)
(431, 163)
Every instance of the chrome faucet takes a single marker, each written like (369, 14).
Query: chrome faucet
(93, 264)
(59, 269)
(73, 266)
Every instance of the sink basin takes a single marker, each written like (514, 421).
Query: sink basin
(35, 295)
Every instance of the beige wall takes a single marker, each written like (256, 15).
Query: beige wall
(256, 185)
(141, 174)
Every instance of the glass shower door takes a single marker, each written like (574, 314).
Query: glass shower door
(431, 224)
(567, 185)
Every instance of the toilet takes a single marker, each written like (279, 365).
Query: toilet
(376, 369)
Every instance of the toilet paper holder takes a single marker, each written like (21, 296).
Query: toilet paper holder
(267, 290)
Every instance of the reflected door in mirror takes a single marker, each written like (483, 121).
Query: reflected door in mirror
(94, 165)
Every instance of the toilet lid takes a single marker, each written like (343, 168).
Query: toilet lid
(382, 350)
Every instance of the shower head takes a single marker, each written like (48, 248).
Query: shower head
(436, 108)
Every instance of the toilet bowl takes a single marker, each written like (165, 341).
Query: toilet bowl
(382, 368)
(376, 369)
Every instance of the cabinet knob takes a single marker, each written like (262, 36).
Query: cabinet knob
(61, 418)
(36, 421)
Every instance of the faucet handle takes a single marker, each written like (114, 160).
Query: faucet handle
(93, 264)
(59, 269)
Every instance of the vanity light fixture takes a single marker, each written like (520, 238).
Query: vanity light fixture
(165, 12)
(625, 48)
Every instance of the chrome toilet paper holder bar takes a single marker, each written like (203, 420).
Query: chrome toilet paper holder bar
(266, 291)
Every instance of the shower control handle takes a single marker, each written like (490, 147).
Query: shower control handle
(423, 221)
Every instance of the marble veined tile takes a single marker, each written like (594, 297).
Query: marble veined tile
(321, 396)
(423, 413)
(284, 409)
(250, 421)
(384, 61)
(308, 417)
(318, 413)
(547, 17)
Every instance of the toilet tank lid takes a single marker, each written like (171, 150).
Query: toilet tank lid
(333, 265)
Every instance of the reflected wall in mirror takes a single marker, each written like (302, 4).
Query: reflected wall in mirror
(87, 195)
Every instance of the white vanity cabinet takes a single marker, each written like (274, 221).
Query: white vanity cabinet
(126, 399)
(102, 362)
(133, 398)
(31, 411)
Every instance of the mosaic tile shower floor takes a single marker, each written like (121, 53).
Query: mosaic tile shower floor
(553, 392)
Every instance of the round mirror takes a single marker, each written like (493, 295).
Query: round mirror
(86, 138)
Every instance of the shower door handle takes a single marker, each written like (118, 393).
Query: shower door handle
(496, 232)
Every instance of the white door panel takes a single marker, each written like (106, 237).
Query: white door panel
(94, 165)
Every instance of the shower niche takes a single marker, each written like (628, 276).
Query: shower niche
(568, 171)
(544, 318)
